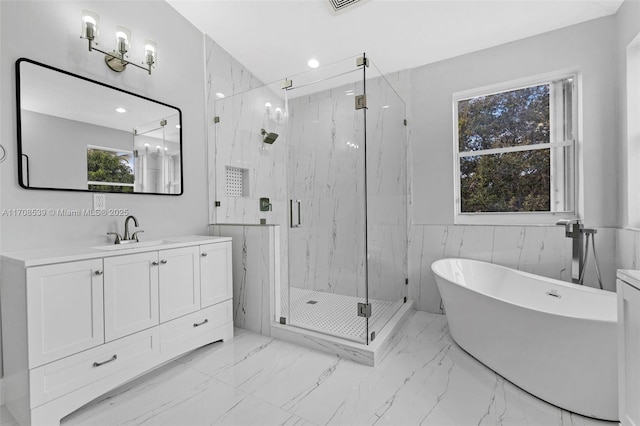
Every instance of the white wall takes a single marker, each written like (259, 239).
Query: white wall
(57, 148)
(48, 32)
(588, 47)
(628, 26)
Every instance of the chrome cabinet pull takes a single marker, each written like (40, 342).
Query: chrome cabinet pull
(99, 272)
(204, 254)
(163, 261)
(98, 364)
(201, 323)
(154, 263)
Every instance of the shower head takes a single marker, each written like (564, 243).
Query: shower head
(269, 137)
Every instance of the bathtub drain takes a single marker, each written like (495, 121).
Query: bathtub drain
(554, 293)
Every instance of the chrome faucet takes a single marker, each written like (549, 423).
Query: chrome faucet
(573, 229)
(127, 238)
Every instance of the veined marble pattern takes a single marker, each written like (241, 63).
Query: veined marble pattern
(627, 249)
(542, 250)
(254, 277)
(327, 173)
(236, 141)
(425, 379)
(319, 159)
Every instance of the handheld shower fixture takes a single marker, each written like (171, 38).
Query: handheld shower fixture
(268, 137)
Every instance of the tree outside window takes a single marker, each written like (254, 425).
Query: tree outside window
(515, 150)
(110, 170)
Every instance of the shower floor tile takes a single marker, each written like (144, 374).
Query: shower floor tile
(426, 379)
(336, 314)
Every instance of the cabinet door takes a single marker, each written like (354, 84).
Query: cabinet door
(629, 353)
(179, 278)
(130, 294)
(64, 304)
(216, 284)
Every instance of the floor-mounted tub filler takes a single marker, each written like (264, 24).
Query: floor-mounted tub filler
(554, 339)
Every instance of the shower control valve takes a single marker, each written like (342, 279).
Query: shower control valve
(265, 205)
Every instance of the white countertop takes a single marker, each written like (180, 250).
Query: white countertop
(30, 258)
(630, 276)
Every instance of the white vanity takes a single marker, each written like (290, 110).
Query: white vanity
(628, 289)
(78, 322)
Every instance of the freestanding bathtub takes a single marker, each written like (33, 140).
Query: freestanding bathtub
(554, 339)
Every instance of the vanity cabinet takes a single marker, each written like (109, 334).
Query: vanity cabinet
(628, 290)
(215, 274)
(179, 282)
(79, 323)
(130, 294)
(65, 309)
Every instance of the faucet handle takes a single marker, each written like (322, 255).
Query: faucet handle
(118, 237)
(134, 236)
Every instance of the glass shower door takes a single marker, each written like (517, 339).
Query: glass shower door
(327, 262)
(387, 199)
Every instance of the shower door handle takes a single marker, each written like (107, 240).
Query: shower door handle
(294, 213)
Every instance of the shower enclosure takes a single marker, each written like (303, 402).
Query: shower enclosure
(336, 179)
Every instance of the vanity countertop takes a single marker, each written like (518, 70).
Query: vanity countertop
(630, 276)
(38, 257)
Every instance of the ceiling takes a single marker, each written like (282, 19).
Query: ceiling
(275, 39)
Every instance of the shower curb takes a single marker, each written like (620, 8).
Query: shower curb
(358, 352)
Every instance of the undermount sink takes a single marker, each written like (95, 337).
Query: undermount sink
(133, 245)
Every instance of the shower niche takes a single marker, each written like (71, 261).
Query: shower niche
(337, 181)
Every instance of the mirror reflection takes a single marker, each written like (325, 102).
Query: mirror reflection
(81, 135)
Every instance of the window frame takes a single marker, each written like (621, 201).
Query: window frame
(522, 218)
(105, 183)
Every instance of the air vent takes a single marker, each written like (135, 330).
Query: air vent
(341, 4)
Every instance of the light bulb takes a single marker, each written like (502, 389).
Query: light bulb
(123, 36)
(150, 52)
(89, 24)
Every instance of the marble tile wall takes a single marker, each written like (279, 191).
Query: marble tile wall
(320, 153)
(542, 250)
(256, 274)
(627, 249)
(327, 173)
(236, 141)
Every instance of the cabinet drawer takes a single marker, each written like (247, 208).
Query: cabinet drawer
(194, 330)
(58, 378)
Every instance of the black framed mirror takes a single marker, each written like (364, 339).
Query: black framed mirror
(77, 134)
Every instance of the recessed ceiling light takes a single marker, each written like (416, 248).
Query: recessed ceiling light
(313, 63)
(219, 95)
(121, 110)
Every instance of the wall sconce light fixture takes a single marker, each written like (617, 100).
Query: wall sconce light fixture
(116, 60)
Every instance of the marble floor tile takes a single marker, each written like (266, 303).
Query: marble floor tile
(425, 379)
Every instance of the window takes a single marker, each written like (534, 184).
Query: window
(109, 170)
(515, 153)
